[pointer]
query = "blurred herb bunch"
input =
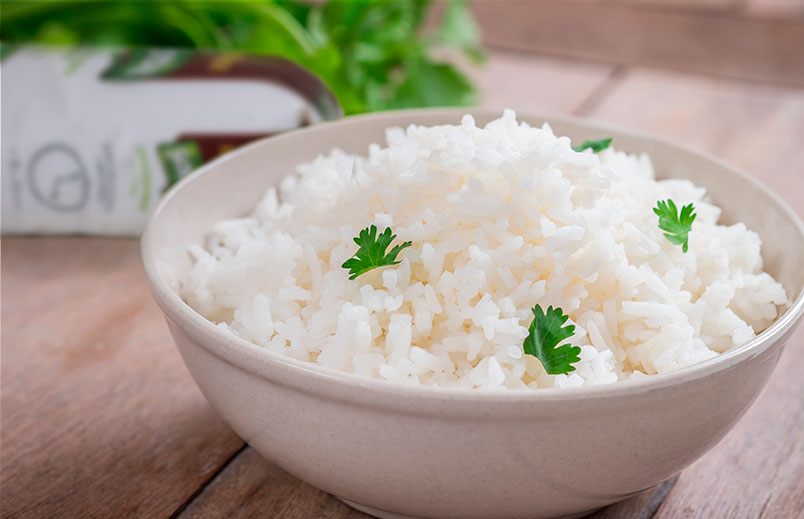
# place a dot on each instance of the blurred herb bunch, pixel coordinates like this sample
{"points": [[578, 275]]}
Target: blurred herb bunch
{"points": [[372, 53]]}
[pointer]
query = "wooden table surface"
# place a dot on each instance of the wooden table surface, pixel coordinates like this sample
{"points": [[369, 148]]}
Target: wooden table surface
{"points": [[100, 418]]}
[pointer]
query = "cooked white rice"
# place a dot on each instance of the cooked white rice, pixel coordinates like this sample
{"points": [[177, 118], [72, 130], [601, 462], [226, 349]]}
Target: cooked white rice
{"points": [[501, 218]]}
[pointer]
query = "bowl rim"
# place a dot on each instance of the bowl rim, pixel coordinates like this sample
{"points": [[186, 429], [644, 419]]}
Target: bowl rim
{"points": [[334, 384]]}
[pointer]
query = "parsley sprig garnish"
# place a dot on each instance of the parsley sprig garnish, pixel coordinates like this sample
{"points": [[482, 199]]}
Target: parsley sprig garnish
{"points": [[546, 332], [595, 146], [371, 252], [676, 226]]}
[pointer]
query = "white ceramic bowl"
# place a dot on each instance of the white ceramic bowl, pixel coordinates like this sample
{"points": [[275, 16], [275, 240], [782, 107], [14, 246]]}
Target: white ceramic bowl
{"points": [[397, 451]]}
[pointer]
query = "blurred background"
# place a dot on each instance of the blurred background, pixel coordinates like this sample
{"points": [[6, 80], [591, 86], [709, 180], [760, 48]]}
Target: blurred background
{"points": [[105, 105]]}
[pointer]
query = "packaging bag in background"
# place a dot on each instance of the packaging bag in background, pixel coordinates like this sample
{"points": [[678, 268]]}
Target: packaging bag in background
{"points": [[91, 137]]}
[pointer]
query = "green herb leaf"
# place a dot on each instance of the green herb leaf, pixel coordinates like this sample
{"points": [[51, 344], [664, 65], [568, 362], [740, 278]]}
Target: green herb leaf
{"points": [[676, 226], [371, 252], [430, 84], [373, 54], [595, 146], [460, 30], [546, 332]]}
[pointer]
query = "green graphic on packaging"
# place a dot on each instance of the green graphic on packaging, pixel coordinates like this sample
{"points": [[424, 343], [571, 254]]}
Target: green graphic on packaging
{"points": [[145, 182], [6, 49], [75, 57], [178, 159], [146, 63]]}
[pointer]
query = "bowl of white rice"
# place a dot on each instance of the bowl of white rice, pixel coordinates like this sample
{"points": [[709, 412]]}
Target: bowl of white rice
{"points": [[434, 313]]}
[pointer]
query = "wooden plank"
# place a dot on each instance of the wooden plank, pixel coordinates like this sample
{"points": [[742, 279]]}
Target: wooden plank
{"points": [[537, 83], [709, 6], [253, 487], [758, 128], [99, 416], [758, 470], [738, 8], [731, 46], [774, 8]]}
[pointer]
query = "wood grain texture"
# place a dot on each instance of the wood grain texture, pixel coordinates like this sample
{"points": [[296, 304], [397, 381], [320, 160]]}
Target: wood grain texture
{"points": [[537, 84], [744, 47], [774, 8], [253, 487], [99, 416], [708, 6], [736, 8]]}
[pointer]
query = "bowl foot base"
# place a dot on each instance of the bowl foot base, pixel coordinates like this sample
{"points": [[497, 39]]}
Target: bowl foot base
{"points": [[374, 512], [384, 514]]}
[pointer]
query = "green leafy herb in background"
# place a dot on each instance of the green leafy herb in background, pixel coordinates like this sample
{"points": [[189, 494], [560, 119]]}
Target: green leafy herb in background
{"points": [[595, 146], [371, 253], [676, 226], [546, 332], [372, 53]]}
